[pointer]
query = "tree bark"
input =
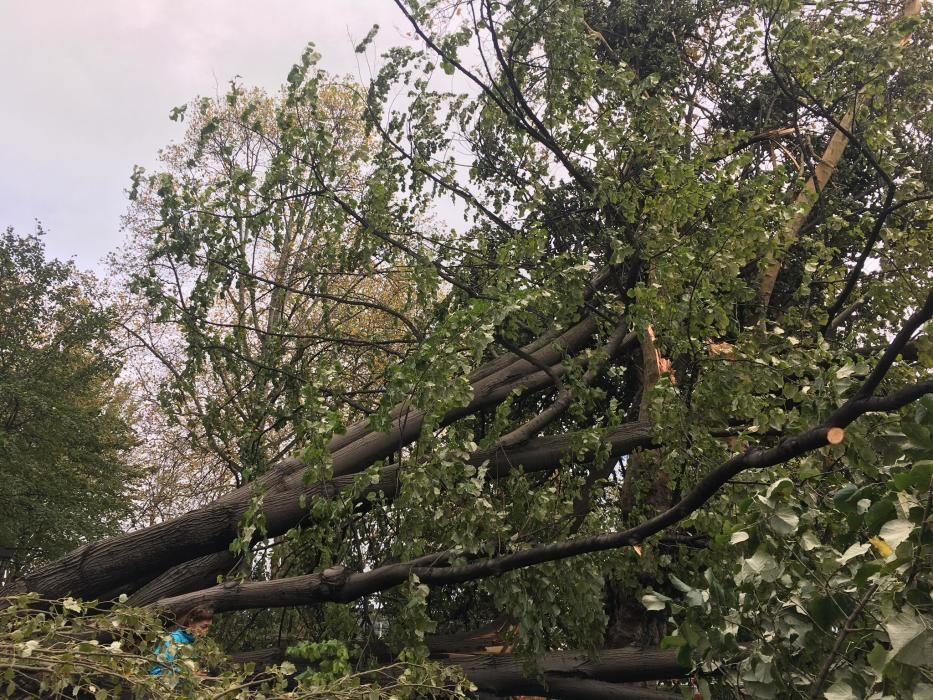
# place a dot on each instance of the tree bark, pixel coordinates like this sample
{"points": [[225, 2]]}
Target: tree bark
{"points": [[101, 566], [563, 688], [540, 454], [566, 674], [190, 576], [624, 665], [805, 201], [813, 188]]}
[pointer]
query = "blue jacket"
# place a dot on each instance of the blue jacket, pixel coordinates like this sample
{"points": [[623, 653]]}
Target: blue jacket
{"points": [[165, 652]]}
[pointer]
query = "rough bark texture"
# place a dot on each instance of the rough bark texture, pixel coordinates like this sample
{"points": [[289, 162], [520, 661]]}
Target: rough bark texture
{"points": [[626, 665], [101, 566], [566, 674], [190, 576], [565, 688]]}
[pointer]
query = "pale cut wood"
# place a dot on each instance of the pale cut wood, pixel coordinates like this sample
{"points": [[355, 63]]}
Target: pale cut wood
{"points": [[823, 171]]}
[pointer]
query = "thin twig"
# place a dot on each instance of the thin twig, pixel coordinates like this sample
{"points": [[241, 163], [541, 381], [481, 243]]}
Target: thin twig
{"points": [[840, 639]]}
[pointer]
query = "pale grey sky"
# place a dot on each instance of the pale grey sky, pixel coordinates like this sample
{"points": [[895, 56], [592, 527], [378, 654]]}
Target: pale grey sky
{"points": [[86, 87]]}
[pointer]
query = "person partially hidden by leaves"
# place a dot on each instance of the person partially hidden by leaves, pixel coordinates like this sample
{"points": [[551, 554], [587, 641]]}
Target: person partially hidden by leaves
{"points": [[192, 625]]}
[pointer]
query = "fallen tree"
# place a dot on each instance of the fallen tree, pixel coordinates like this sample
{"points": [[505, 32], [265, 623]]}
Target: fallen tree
{"points": [[340, 585], [569, 674], [628, 400], [96, 568]]}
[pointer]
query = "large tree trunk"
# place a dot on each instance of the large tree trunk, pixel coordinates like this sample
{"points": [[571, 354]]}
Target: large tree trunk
{"points": [[96, 568], [189, 576], [565, 674], [562, 688], [625, 665], [540, 454]]}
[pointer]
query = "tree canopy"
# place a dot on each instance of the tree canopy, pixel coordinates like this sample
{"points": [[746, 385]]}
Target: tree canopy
{"points": [[64, 435], [589, 331]]}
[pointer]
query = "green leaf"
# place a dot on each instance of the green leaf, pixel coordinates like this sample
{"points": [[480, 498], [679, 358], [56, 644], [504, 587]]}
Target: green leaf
{"points": [[762, 564], [896, 531], [918, 476], [879, 513], [809, 541], [840, 690], [367, 40], [177, 114], [843, 496], [680, 585], [918, 435], [910, 639], [855, 550], [877, 658], [655, 601], [673, 642], [784, 521], [781, 487], [845, 371]]}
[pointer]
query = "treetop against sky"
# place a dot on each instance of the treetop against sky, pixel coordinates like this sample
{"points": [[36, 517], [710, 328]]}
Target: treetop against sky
{"points": [[88, 88], [666, 387]]}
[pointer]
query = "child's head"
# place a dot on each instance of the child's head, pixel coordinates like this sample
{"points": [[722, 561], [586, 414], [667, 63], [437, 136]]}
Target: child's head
{"points": [[197, 621]]}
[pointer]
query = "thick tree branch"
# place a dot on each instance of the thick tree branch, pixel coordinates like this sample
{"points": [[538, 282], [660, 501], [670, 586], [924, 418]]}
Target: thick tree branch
{"points": [[100, 566], [564, 674], [350, 586], [189, 576]]}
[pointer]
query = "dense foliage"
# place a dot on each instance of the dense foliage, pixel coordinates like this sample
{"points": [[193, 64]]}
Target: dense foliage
{"points": [[600, 322], [75, 649], [63, 421]]}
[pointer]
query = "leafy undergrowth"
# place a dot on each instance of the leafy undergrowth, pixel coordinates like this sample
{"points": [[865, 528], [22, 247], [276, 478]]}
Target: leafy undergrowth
{"points": [[69, 648]]}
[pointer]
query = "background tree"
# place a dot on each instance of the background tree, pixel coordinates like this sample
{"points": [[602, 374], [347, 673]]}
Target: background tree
{"points": [[255, 287], [275, 326], [63, 417], [665, 384]]}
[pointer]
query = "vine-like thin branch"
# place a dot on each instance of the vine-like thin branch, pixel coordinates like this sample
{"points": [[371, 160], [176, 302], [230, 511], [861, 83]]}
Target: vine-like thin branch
{"points": [[840, 639]]}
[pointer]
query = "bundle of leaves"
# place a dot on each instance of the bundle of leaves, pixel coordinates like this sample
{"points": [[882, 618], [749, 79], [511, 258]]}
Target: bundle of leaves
{"points": [[823, 581], [70, 648]]}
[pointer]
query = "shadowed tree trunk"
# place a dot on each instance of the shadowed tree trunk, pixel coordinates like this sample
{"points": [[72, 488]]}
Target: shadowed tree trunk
{"points": [[635, 196], [565, 674], [101, 566]]}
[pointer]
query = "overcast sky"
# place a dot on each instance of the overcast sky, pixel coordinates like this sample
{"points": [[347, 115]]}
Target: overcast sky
{"points": [[87, 86]]}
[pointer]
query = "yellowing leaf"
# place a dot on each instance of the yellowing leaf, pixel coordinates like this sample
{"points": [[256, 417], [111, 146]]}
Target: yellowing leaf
{"points": [[884, 549]]}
